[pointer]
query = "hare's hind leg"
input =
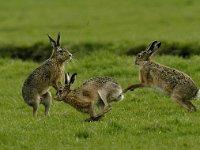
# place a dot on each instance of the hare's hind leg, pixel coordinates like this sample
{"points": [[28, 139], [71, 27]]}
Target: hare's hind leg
{"points": [[93, 116], [105, 98], [34, 103], [100, 108], [35, 107], [46, 101], [191, 106], [133, 87], [186, 104], [91, 113]]}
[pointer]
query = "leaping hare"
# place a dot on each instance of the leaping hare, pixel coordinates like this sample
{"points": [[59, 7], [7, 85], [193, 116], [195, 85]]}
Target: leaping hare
{"points": [[35, 88], [171, 81], [98, 91]]}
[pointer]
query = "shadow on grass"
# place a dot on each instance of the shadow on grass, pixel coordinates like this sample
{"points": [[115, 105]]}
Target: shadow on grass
{"points": [[40, 51], [182, 50]]}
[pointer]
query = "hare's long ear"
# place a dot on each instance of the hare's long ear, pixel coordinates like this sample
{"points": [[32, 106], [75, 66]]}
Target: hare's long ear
{"points": [[67, 78], [153, 47], [53, 43], [58, 39], [73, 78]]}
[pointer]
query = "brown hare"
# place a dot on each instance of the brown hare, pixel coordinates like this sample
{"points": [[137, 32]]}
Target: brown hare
{"points": [[98, 91], [171, 81], [35, 88]]}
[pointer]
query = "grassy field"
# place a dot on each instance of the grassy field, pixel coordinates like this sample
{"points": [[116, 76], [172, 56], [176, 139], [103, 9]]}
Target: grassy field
{"points": [[145, 119], [25, 22]]}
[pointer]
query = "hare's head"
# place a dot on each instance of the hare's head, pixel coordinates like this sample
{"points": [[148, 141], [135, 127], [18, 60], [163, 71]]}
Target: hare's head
{"points": [[145, 55], [66, 89], [59, 53]]}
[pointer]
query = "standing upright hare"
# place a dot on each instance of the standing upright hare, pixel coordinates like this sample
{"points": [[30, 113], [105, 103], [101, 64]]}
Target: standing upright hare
{"points": [[35, 88], [98, 91], [171, 81]]}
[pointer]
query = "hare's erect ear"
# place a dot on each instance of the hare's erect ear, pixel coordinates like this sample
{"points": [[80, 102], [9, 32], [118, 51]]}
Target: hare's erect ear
{"points": [[58, 39], [73, 78], [67, 78], [158, 44], [153, 47], [53, 43]]}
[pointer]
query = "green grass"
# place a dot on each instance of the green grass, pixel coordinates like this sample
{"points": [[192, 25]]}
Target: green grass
{"points": [[119, 22], [145, 119]]}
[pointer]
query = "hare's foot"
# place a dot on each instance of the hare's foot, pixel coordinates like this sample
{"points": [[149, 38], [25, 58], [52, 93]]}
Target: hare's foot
{"points": [[96, 118], [46, 101], [88, 120], [191, 107], [35, 107], [107, 109], [34, 104], [186, 104]]}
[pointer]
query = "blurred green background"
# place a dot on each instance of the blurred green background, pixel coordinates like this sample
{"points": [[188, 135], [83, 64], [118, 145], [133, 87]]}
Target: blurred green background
{"points": [[26, 22]]}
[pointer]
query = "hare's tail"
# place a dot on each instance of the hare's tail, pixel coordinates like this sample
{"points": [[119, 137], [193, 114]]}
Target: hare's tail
{"points": [[198, 94]]}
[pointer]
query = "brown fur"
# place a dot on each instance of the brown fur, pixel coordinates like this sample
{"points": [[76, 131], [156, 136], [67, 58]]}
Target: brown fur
{"points": [[35, 88], [171, 81], [95, 91]]}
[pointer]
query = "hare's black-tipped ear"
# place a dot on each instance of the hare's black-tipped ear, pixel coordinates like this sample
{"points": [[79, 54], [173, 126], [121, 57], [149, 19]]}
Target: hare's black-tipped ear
{"points": [[58, 39], [53, 43], [153, 47], [158, 44], [73, 78], [67, 78]]}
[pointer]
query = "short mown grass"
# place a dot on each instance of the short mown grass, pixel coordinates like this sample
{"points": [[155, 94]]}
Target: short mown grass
{"points": [[145, 119]]}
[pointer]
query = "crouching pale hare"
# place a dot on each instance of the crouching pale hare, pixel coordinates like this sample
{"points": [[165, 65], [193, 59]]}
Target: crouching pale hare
{"points": [[99, 91]]}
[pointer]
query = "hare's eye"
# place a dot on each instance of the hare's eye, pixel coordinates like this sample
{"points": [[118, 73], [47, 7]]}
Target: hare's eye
{"points": [[60, 91], [139, 56], [60, 51]]}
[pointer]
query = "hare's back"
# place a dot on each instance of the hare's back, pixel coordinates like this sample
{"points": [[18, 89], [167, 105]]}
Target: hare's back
{"points": [[171, 76], [170, 80], [99, 82]]}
